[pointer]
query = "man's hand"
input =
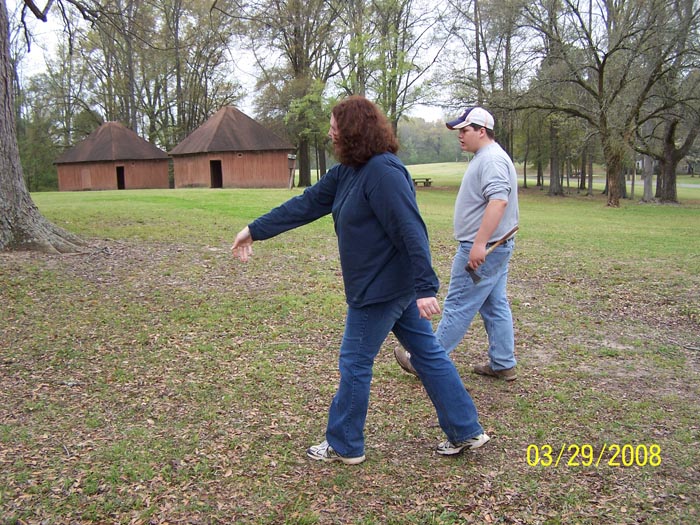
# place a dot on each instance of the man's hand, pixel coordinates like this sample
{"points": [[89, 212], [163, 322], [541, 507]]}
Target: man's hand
{"points": [[492, 217], [428, 306], [477, 255], [243, 245]]}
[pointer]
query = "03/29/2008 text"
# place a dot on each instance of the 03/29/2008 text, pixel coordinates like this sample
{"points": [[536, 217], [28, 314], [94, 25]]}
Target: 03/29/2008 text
{"points": [[587, 455]]}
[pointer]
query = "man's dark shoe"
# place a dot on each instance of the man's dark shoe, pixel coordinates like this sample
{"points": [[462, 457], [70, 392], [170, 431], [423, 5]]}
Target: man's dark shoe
{"points": [[509, 374], [403, 358]]}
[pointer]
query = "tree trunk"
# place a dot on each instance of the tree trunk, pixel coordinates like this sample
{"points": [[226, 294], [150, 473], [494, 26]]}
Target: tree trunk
{"points": [[303, 163], [672, 155], [555, 187], [613, 163], [322, 157], [666, 188], [477, 54], [648, 177], [527, 151], [22, 227], [634, 178], [130, 72]]}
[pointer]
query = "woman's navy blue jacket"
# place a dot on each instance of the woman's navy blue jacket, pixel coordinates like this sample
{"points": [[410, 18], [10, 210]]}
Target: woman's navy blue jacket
{"points": [[383, 241]]}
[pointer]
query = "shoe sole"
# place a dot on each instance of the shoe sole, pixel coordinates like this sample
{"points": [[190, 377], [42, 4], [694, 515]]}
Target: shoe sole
{"points": [[495, 376]]}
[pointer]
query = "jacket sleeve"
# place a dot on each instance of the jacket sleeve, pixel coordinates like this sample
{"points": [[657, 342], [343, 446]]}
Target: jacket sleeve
{"points": [[315, 202]]}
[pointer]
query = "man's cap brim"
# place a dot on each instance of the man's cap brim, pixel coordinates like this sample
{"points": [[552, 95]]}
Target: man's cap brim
{"points": [[456, 124]]}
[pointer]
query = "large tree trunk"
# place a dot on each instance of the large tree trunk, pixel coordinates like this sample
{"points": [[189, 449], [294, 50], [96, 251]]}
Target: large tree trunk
{"points": [[22, 227], [666, 184], [647, 177], [613, 168], [672, 155]]}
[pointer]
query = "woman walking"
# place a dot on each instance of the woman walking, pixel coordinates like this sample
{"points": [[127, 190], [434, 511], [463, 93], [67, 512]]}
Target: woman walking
{"points": [[390, 285]]}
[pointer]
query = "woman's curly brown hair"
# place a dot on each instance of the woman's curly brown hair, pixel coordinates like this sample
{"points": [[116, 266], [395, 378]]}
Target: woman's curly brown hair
{"points": [[363, 131]]}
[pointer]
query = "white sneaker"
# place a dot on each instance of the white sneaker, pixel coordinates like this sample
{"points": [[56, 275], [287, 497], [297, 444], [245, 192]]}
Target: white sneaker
{"points": [[448, 448], [324, 452]]}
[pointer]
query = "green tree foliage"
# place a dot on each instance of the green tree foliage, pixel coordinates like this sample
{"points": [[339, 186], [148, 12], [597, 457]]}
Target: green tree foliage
{"points": [[488, 61], [161, 68], [406, 46], [295, 44], [393, 46], [38, 150], [426, 142]]}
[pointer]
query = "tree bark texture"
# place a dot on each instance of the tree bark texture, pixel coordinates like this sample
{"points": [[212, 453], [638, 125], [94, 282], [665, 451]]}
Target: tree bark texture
{"points": [[666, 190], [647, 177], [666, 183], [614, 164]]}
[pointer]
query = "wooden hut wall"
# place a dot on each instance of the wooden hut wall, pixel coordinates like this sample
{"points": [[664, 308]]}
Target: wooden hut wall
{"points": [[192, 171], [145, 174], [140, 174], [264, 169]]}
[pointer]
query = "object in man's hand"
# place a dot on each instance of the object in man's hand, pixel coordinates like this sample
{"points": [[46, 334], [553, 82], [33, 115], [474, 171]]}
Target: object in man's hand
{"points": [[472, 273]]}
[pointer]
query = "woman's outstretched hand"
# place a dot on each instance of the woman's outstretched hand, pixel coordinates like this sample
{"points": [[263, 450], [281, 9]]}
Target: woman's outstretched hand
{"points": [[243, 245]]}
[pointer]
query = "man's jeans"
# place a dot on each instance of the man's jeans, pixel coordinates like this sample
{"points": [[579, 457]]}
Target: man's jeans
{"points": [[488, 297], [365, 331]]}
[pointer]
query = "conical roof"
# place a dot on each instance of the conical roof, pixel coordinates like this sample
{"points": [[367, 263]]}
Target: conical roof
{"points": [[111, 141], [229, 129]]}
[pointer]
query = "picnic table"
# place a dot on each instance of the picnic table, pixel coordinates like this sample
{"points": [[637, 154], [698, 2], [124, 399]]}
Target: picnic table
{"points": [[425, 181]]}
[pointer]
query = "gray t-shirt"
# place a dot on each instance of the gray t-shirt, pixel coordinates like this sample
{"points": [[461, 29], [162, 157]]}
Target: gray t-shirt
{"points": [[490, 175]]}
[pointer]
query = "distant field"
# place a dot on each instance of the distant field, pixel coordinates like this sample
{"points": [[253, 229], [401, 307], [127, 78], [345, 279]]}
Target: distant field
{"points": [[450, 174]]}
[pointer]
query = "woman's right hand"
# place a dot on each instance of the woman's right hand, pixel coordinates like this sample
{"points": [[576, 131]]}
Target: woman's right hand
{"points": [[243, 245]]}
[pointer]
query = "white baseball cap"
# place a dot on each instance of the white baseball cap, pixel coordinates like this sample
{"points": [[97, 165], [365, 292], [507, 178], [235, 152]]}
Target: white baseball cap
{"points": [[476, 115]]}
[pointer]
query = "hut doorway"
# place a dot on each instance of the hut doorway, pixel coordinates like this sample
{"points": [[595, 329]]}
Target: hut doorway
{"points": [[217, 176], [120, 178]]}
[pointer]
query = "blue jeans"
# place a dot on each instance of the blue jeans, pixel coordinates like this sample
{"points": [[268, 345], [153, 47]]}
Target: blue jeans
{"points": [[365, 331], [488, 297]]}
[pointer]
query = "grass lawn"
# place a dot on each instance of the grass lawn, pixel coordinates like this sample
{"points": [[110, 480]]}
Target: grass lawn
{"points": [[154, 380]]}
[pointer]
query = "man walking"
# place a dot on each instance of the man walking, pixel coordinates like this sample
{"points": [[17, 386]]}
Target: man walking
{"points": [[486, 209]]}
